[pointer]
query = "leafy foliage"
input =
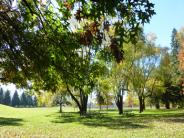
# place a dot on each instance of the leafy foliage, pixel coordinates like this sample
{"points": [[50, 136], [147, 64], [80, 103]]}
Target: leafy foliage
{"points": [[54, 43]]}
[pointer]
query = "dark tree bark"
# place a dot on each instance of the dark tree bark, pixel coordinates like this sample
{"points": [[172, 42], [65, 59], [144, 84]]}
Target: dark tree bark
{"points": [[119, 102], [60, 108], [157, 105], [141, 104], [82, 103], [167, 105], [61, 104]]}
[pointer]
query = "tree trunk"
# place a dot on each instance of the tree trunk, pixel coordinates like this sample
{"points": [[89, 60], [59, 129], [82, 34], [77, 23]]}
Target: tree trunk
{"points": [[100, 107], [84, 101], [82, 104], [167, 105], [119, 103], [60, 108], [122, 101], [119, 100], [157, 105], [141, 105]]}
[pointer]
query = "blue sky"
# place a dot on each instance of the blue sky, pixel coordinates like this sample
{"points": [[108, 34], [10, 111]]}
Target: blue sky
{"points": [[169, 15]]}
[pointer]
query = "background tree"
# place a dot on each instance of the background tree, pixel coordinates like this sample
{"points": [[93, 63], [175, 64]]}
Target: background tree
{"points": [[29, 100], [1, 96], [15, 99], [131, 100], [61, 98], [119, 83], [100, 100], [175, 47], [104, 92], [44, 98], [7, 98], [166, 77], [23, 100], [180, 38], [147, 55], [156, 89], [35, 101]]}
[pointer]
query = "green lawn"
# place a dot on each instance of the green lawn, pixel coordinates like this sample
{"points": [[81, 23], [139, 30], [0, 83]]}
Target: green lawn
{"points": [[48, 123]]}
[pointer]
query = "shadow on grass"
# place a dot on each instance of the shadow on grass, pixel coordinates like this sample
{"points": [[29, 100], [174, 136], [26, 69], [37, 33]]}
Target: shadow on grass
{"points": [[100, 120], [176, 120], [10, 121], [130, 120]]}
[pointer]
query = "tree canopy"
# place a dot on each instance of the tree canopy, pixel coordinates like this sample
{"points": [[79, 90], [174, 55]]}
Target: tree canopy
{"points": [[56, 42]]}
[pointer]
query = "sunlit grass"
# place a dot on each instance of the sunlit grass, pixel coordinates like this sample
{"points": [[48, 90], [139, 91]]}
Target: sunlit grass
{"points": [[47, 122]]}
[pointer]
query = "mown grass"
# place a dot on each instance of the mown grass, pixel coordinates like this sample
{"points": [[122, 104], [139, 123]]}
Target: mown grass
{"points": [[48, 123]]}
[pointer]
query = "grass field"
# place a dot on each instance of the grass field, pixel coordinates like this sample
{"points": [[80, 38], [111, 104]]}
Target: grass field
{"points": [[48, 123]]}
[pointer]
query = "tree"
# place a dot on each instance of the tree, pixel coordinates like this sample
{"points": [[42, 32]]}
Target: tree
{"points": [[156, 89], [130, 100], [35, 101], [104, 93], [1, 96], [147, 55], [173, 89], [180, 38], [100, 100], [15, 99], [120, 76], [29, 100], [23, 100], [175, 46], [122, 73], [48, 51], [7, 98], [61, 98]]}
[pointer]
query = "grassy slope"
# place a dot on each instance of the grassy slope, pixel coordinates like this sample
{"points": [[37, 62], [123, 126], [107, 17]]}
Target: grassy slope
{"points": [[47, 122]]}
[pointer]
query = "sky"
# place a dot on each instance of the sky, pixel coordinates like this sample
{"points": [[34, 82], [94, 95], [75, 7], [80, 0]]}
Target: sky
{"points": [[169, 15]]}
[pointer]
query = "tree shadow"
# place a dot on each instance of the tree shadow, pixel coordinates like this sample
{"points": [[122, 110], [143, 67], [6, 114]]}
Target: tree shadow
{"points": [[129, 120], [10, 121], [176, 120], [101, 120]]}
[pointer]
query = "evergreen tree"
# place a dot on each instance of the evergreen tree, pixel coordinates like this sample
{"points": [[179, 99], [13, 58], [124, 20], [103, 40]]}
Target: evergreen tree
{"points": [[1, 96], [174, 44], [35, 102], [174, 57], [15, 99], [7, 98], [23, 99], [29, 100]]}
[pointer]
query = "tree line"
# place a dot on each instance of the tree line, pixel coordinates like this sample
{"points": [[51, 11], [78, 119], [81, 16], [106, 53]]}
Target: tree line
{"points": [[24, 100]]}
